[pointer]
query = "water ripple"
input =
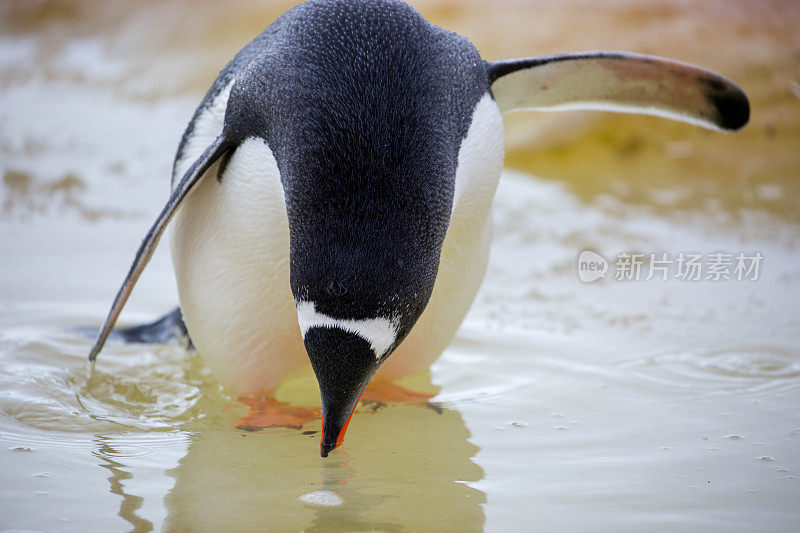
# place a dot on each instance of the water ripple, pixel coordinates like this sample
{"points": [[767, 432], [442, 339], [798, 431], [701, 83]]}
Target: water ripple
{"points": [[47, 384], [752, 368]]}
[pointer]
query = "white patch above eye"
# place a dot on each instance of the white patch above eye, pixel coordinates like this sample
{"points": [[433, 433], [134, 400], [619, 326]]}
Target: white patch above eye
{"points": [[380, 332]]}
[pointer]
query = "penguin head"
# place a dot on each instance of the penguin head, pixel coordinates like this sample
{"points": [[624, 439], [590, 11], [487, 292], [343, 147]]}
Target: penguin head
{"points": [[359, 291]]}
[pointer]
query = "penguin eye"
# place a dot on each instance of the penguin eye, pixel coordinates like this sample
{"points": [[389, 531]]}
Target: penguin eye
{"points": [[335, 288]]}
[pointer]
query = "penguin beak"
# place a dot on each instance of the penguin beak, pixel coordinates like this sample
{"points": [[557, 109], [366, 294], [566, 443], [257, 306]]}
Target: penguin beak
{"points": [[343, 363], [334, 424]]}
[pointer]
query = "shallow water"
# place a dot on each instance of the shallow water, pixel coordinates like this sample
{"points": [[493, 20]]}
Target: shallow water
{"points": [[613, 405]]}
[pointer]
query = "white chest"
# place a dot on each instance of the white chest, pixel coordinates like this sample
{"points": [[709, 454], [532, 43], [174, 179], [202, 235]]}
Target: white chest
{"points": [[230, 250]]}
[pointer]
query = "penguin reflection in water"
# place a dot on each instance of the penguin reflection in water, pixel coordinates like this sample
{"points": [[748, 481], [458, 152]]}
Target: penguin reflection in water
{"points": [[331, 194]]}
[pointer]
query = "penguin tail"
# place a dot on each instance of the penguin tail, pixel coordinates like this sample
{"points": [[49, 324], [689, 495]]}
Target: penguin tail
{"points": [[167, 328]]}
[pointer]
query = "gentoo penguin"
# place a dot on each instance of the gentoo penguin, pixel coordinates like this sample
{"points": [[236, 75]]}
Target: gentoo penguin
{"points": [[331, 195]]}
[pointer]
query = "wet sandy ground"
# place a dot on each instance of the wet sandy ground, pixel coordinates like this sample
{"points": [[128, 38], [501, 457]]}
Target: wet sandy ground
{"points": [[616, 405]]}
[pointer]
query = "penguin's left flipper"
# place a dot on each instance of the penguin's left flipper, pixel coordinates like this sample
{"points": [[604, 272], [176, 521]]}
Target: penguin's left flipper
{"points": [[619, 81], [216, 150]]}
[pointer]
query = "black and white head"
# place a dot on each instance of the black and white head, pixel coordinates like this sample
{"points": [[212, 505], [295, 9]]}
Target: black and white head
{"points": [[365, 106]]}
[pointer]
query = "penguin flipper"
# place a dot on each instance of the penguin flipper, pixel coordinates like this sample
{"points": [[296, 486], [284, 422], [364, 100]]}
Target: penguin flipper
{"points": [[619, 81], [219, 147]]}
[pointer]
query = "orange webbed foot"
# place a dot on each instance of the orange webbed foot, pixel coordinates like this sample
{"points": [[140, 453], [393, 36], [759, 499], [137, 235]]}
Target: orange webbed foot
{"points": [[268, 412], [383, 392]]}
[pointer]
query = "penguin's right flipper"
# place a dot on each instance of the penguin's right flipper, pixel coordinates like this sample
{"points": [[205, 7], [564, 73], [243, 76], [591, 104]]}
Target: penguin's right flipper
{"points": [[619, 81], [217, 149]]}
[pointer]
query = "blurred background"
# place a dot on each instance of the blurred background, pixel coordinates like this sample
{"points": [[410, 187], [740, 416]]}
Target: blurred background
{"points": [[614, 405]]}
